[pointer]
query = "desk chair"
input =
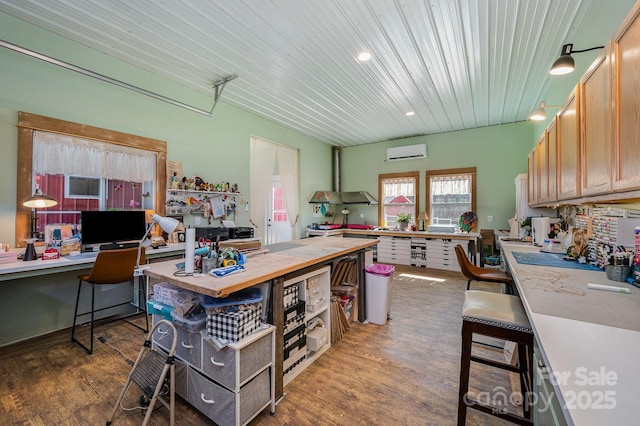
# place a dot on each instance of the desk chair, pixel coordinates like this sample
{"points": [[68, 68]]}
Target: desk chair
{"points": [[111, 267], [475, 273]]}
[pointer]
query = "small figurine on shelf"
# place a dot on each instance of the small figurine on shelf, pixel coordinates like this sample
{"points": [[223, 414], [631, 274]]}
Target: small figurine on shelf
{"points": [[234, 188], [174, 181]]}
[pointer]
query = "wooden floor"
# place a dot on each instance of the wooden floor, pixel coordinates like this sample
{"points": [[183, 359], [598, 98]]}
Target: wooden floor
{"points": [[402, 373]]}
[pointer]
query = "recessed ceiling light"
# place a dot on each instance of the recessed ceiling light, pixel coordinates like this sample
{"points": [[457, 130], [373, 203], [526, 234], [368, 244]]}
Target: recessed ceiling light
{"points": [[410, 113], [364, 56]]}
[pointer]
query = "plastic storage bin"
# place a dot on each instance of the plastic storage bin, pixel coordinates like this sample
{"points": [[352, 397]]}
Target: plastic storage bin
{"points": [[378, 278]]}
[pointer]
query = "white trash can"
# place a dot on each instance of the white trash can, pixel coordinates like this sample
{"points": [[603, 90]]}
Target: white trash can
{"points": [[378, 278]]}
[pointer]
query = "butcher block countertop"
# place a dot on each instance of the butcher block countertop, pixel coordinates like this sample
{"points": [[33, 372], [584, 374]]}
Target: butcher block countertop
{"points": [[279, 260]]}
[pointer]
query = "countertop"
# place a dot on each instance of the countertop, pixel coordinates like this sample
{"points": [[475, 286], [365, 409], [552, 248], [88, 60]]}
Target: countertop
{"points": [[280, 259], [21, 268], [394, 233], [589, 339]]}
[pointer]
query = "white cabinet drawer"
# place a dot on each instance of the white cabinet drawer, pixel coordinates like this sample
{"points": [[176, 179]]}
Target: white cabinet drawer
{"points": [[222, 365], [163, 335], [189, 347], [221, 405]]}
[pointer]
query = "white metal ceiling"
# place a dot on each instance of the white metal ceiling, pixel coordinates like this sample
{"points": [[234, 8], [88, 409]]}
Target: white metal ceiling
{"points": [[458, 64]]}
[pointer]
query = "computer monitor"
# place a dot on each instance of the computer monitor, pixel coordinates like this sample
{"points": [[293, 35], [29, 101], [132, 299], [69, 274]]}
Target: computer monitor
{"points": [[113, 226]]}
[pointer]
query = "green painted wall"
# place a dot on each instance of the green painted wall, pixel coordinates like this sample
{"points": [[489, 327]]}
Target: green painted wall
{"points": [[499, 154], [215, 148]]}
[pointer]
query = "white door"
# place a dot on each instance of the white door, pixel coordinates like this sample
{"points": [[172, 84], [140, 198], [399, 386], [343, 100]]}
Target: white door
{"points": [[278, 227]]}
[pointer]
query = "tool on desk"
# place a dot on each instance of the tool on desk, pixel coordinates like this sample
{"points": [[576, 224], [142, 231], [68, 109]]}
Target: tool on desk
{"points": [[608, 288]]}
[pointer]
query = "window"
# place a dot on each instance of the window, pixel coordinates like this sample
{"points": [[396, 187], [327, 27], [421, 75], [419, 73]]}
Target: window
{"points": [[75, 194], [82, 187], [398, 193], [117, 191], [450, 193]]}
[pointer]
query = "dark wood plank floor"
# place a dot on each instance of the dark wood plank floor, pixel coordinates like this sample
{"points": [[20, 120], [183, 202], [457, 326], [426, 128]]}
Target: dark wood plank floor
{"points": [[402, 373]]}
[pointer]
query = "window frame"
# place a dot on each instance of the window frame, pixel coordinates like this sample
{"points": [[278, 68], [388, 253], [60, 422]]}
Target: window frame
{"points": [[28, 123], [402, 175], [449, 172]]}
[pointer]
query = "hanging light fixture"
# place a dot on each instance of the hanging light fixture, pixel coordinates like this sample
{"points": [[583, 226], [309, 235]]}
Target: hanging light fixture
{"points": [[539, 113], [565, 63], [38, 200]]}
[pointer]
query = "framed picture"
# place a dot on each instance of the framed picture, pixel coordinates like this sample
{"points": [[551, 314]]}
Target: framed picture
{"points": [[173, 167]]}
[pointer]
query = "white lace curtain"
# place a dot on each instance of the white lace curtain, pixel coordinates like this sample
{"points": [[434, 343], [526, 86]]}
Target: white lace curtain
{"points": [[263, 157], [61, 154]]}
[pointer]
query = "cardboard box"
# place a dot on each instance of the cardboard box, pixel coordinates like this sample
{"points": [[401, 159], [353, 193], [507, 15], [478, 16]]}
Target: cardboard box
{"points": [[488, 241], [8, 257]]}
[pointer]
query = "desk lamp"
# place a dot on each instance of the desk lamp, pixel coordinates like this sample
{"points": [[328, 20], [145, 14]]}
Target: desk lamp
{"points": [[168, 225], [38, 200], [422, 218], [346, 212]]}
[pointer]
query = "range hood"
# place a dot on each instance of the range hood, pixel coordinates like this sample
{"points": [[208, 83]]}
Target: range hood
{"points": [[336, 196], [333, 197], [326, 197], [357, 197]]}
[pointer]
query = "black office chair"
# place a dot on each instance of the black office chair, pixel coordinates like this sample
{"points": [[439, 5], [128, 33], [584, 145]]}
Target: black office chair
{"points": [[111, 267]]}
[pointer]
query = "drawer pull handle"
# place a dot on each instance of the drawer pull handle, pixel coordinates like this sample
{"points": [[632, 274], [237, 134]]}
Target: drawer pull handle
{"points": [[186, 346], [164, 333], [205, 400], [217, 364]]}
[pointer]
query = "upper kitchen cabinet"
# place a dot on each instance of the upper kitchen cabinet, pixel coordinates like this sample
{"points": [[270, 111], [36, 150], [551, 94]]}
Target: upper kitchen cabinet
{"points": [[533, 176], [596, 116], [626, 75], [549, 164], [568, 122], [543, 168]]}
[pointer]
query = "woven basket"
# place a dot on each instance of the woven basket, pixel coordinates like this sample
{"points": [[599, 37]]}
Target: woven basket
{"points": [[617, 272]]}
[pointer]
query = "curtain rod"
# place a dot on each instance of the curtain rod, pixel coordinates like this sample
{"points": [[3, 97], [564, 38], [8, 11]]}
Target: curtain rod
{"points": [[217, 86]]}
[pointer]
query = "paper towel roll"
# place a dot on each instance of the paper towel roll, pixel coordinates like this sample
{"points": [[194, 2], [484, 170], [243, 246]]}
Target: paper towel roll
{"points": [[541, 229], [190, 250]]}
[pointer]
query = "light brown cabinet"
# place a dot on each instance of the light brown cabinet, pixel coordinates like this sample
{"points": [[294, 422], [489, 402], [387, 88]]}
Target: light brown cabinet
{"points": [[568, 122], [626, 42], [533, 177], [547, 157], [597, 132]]}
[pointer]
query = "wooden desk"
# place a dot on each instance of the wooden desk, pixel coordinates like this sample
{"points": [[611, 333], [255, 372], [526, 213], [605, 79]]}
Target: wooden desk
{"points": [[282, 260], [589, 339]]}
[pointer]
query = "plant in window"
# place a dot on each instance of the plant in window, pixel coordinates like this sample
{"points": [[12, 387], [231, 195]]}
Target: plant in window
{"points": [[403, 220]]}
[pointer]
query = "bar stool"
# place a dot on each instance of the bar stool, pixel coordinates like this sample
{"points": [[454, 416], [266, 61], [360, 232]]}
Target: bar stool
{"points": [[501, 316], [111, 267]]}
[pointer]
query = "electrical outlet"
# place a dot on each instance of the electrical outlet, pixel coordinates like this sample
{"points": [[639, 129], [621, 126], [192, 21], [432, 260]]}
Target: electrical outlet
{"points": [[489, 219], [361, 215]]}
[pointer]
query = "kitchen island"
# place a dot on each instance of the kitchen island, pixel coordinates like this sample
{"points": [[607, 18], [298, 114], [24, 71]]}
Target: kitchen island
{"points": [[281, 262], [588, 340]]}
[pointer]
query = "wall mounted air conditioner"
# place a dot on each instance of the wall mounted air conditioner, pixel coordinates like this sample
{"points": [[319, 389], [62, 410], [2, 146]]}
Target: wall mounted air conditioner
{"points": [[409, 152]]}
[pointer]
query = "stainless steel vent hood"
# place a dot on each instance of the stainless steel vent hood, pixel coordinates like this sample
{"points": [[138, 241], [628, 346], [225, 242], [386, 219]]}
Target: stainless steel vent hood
{"points": [[338, 197], [326, 197], [357, 197], [333, 197]]}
